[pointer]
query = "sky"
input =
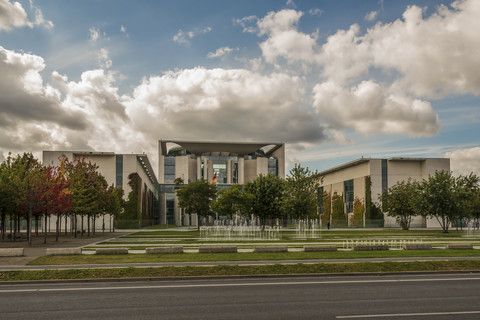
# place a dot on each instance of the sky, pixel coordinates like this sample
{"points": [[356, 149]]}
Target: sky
{"points": [[334, 80]]}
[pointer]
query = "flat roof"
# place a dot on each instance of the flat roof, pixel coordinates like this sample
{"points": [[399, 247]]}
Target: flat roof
{"points": [[225, 148], [363, 160]]}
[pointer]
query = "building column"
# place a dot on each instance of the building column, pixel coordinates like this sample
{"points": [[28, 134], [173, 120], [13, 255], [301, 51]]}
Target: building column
{"points": [[241, 170], [210, 170], [229, 171], [205, 169], [199, 168]]}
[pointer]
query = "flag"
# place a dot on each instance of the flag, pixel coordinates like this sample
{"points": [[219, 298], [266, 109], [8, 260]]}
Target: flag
{"points": [[214, 179]]}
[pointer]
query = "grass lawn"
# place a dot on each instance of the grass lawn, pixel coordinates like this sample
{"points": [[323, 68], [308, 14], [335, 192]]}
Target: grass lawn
{"points": [[245, 256], [320, 268]]}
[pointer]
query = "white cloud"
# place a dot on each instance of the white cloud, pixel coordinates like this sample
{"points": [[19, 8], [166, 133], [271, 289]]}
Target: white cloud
{"points": [[369, 108], [249, 24], [94, 34], [239, 104], [184, 37], [103, 59], [12, 15], [372, 15], [39, 19], [465, 161], [123, 29], [284, 40], [315, 12], [220, 52]]}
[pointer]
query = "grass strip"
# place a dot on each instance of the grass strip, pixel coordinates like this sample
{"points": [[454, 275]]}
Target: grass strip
{"points": [[276, 269], [246, 256]]}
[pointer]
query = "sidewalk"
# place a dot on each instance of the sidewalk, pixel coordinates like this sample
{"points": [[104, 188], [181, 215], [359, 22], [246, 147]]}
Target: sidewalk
{"points": [[39, 248]]}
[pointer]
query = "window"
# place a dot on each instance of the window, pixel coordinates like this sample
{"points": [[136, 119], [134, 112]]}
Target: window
{"points": [[348, 192], [119, 170], [273, 166], [169, 169]]}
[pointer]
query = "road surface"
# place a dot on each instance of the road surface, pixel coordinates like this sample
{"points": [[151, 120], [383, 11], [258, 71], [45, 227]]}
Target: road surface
{"points": [[412, 297]]}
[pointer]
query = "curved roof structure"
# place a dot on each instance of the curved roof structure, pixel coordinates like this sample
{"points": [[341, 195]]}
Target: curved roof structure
{"points": [[220, 147]]}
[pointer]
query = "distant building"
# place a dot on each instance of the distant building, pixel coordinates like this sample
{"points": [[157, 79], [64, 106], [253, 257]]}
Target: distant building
{"points": [[350, 180], [230, 162], [116, 168]]}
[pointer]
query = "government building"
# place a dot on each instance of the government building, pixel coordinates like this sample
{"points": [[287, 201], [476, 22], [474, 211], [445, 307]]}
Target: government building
{"points": [[357, 178], [229, 162]]}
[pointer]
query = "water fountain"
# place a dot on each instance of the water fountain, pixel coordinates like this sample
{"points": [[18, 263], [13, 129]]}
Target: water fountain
{"points": [[308, 229], [239, 229]]}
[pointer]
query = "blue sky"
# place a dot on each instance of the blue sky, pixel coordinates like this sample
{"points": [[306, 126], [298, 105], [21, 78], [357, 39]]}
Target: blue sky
{"points": [[335, 80]]}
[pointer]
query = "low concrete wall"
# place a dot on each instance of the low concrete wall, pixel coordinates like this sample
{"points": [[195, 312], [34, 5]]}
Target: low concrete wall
{"points": [[319, 248], [11, 252], [217, 249], [263, 249], [417, 246], [377, 247], [60, 251], [460, 246], [164, 250], [111, 251]]}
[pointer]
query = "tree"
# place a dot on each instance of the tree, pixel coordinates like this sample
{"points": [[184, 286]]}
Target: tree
{"points": [[27, 177], [265, 194], [114, 203], [438, 198], [229, 201], [130, 218], [327, 208], [8, 195], [338, 211], [196, 197], [88, 189], [300, 199], [373, 213], [399, 201], [358, 216]]}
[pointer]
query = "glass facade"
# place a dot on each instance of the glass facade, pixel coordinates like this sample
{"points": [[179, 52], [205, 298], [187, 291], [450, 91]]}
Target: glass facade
{"points": [[119, 170], [349, 195], [169, 169], [273, 166], [384, 174]]}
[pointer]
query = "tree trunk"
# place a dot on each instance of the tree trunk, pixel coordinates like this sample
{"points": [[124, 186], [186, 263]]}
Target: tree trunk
{"points": [[58, 224], [82, 225], [66, 223], [29, 225], [88, 225], [45, 235]]}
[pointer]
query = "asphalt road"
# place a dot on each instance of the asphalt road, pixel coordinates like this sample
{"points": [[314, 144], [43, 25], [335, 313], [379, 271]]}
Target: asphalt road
{"points": [[360, 297]]}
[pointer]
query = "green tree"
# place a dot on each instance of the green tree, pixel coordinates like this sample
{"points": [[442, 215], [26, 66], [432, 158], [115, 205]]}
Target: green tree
{"points": [[373, 213], [8, 193], [358, 216], [229, 201], [438, 198], [196, 197], [400, 201], [327, 208], [130, 218], [338, 211], [27, 176], [265, 194], [114, 204], [88, 189], [468, 188], [300, 199]]}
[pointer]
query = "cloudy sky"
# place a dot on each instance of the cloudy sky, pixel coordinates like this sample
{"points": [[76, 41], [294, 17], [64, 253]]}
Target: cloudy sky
{"points": [[335, 80]]}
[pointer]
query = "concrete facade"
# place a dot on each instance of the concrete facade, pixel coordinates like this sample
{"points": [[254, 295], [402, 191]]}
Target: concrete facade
{"points": [[115, 168], [230, 162], [383, 173]]}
